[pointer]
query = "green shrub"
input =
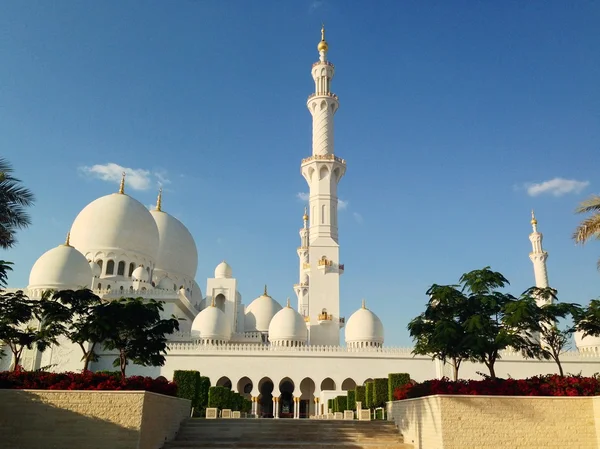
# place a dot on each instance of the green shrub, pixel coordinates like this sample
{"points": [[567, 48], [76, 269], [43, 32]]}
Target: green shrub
{"points": [[360, 395], [219, 397], [110, 373], [368, 395], [329, 405], [396, 380], [188, 385], [378, 414], [247, 405], [340, 403], [380, 392], [202, 400], [351, 400]]}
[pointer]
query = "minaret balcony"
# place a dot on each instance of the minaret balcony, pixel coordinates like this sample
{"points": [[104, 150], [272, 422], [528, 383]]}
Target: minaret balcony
{"points": [[324, 157], [324, 94], [325, 318], [323, 62], [328, 266]]}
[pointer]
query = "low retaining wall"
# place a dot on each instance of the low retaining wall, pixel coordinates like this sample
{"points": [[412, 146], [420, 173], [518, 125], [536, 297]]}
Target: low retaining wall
{"points": [[43, 419], [459, 422]]}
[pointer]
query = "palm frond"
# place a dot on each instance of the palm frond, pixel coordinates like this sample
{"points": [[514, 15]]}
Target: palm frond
{"points": [[592, 204], [587, 229]]}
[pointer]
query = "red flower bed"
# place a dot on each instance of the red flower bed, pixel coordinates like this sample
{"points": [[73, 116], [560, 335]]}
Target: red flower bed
{"points": [[41, 380], [551, 385]]}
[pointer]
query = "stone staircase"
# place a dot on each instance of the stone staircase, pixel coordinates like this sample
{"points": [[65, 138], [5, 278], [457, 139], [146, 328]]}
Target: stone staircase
{"points": [[287, 434]]}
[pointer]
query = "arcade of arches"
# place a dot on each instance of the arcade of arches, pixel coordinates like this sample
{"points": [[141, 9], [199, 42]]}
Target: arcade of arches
{"points": [[285, 398]]}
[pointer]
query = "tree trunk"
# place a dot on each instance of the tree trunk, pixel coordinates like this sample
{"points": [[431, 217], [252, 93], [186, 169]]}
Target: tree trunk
{"points": [[87, 356], [17, 356], [560, 368], [123, 363], [456, 366], [490, 366]]}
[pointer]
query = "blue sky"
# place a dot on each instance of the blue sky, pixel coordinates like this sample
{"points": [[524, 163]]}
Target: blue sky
{"points": [[456, 119]]}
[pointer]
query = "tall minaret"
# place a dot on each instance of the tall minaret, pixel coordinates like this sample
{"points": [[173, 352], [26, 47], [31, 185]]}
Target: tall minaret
{"points": [[538, 257], [322, 171], [301, 288]]}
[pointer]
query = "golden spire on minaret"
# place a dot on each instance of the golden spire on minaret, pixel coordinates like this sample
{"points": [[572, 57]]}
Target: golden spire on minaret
{"points": [[533, 221], [323, 44], [305, 216], [122, 185], [159, 200]]}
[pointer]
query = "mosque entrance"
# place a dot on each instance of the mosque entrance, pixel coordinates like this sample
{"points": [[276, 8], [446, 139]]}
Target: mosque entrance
{"points": [[286, 399], [266, 398]]}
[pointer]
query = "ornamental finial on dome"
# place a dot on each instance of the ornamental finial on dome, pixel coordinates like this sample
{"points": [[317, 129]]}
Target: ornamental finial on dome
{"points": [[265, 292], [159, 200], [364, 304], [122, 185], [212, 302], [68, 240], [288, 303], [323, 44]]}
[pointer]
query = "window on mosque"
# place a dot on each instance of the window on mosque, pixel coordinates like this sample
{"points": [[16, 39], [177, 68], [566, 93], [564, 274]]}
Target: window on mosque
{"points": [[131, 268], [110, 267], [121, 269]]}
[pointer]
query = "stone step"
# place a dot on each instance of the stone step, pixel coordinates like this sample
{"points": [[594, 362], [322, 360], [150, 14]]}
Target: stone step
{"points": [[284, 445]]}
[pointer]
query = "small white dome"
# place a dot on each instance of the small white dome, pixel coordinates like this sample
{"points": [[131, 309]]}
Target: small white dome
{"points": [[588, 343], [211, 324], [166, 284], [115, 221], [96, 270], [223, 270], [177, 252], [260, 312], [288, 326], [140, 274], [62, 267], [364, 327]]}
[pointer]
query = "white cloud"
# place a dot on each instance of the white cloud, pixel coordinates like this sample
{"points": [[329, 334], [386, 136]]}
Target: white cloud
{"points": [[556, 187], [358, 217], [304, 197], [136, 178]]}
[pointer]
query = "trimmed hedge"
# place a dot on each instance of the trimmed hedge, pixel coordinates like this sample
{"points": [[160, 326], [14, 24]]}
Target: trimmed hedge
{"points": [[202, 399], [360, 395], [369, 395], [380, 392], [188, 385], [218, 397], [351, 400], [340, 403], [396, 380], [329, 405]]}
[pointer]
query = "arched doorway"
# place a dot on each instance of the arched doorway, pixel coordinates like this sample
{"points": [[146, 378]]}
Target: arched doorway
{"points": [[348, 384], [220, 302], [286, 398], [265, 400], [307, 399], [224, 382], [244, 387]]}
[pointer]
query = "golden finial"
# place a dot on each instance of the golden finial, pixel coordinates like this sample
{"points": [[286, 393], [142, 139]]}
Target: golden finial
{"points": [[122, 185], [305, 216], [288, 303], [265, 292], [159, 200], [68, 240], [212, 302], [533, 219], [364, 304], [323, 44]]}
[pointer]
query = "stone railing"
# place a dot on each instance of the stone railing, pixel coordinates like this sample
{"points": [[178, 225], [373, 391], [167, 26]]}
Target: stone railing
{"points": [[324, 157], [324, 94], [243, 347], [324, 63]]}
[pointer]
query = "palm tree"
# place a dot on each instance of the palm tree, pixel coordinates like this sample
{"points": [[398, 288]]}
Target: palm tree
{"points": [[590, 227], [14, 198]]}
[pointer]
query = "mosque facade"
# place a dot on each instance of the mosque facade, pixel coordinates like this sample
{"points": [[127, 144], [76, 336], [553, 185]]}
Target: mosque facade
{"points": [[288, 360]]}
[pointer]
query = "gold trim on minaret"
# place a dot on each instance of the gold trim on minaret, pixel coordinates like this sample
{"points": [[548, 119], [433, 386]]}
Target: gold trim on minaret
{"points": [[305, 216], [122, 185], [533, 219], [159, 200], [323, 46]]}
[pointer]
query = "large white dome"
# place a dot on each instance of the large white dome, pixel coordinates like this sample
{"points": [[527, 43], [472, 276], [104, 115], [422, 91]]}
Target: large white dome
{"points": [[62, 267], [588, 343], [211, 324], [115, 222], [177, 252], [260, 312], [288, 326], [364, 328]]}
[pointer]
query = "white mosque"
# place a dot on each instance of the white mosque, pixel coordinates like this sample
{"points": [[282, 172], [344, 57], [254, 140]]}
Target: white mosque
{"points": [[287, 360]]}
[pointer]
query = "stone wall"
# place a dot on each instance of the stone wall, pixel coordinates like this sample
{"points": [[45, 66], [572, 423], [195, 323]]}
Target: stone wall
{"points": [[453, 422], [43, 419]]}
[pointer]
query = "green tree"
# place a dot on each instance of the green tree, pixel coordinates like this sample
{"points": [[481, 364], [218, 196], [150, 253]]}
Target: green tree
{"points": [[589, 228], [136, 331], [551, 341], [20, 325], [494, 320], [588, 320], [439, 331], [78, 315], [14, 198]]}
